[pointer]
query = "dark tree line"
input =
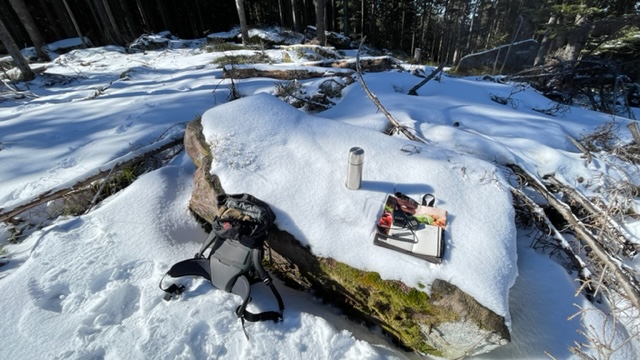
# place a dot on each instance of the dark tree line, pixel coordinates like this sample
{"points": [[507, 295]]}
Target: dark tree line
{"points": [[444, 30]]}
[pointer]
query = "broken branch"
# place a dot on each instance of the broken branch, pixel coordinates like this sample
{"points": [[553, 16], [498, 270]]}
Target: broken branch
{"points": [[414, 90], [374, 99], [624, 278]]}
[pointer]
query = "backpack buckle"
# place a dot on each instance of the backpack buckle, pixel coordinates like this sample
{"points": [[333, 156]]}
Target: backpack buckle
{"points": [[173, 290]]}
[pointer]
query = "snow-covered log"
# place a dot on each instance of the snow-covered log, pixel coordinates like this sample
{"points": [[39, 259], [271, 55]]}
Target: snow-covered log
{"points": [[81, 181]]}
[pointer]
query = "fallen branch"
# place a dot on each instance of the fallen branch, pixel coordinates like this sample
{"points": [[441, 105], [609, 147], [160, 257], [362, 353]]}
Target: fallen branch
{"points": [[633, 129], [611, 230], [576, 260], [625, 279], [394, 122], [86, 179], [414, 89], [580, 147]]}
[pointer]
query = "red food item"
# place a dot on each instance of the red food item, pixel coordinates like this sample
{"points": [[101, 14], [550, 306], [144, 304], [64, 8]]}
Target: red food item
{"points": [[386, 220]]}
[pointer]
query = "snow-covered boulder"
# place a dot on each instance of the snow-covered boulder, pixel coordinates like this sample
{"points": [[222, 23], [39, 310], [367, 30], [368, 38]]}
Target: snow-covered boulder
{"points": [[270, 36], [454, 309]]}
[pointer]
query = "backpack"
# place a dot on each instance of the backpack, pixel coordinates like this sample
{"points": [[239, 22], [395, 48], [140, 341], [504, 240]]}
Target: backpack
{"points": [[236, 244]]}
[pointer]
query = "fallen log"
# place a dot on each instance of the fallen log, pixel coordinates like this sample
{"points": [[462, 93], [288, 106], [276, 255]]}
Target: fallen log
{"points": [[70, 186], [624, 278], [370, 64], [280, 73]]}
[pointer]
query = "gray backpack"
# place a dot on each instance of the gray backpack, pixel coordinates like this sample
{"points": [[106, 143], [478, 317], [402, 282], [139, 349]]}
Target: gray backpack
{"points": [[234, 262]]}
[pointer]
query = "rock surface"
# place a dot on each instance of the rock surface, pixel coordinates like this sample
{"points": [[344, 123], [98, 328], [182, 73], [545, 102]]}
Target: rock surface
{"points": [[447, 323]]}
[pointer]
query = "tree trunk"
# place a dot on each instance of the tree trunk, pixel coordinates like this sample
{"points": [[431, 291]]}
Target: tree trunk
{"points": [[99, 24], [577, 38], [320, 14], [281, 13], [34, 33], [243, 22], [62, 14], [163, 16], [473, 16], [75, 23], [131, 25], [362, 7], [146, 24], [345, 11], [296, 16], [53, 24], [544, 44], [114, 25], [14, 51]]}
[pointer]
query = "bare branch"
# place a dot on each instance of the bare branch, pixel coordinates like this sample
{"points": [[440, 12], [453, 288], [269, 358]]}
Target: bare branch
{"points": [[379, 105], [625, 279], [414, 89]]}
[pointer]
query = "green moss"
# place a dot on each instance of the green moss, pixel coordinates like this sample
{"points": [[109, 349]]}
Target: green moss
{"points": [[403, 310], [224, 47], [257, 58]]}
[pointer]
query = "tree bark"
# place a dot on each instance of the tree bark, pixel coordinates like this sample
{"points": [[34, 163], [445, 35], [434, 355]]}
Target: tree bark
{"points": [[163, 16], [296, 16], [243, 22], [51, 19], [99, 18], [14, 51], [577, 38], [75, 24], [146, 24], [63, 18], [29, 24], [131, 25], [545, 43], [114, 25], [281, 13], [345, 19], [320, 28]]}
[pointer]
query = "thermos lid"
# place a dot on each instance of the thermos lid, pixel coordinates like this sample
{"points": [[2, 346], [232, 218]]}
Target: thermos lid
{"points": [[356, 156]]}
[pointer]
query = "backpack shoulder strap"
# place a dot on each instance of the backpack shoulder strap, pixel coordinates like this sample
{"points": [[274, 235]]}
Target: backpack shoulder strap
{"points": [[242, 287], [194, 267], [197, 266]]}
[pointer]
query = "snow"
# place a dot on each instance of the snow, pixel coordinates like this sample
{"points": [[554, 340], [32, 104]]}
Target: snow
{"points": [[86, 286], [264, 142]]}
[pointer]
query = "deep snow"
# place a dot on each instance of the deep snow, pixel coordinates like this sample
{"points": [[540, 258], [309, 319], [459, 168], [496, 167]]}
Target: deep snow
{"points": [[86, 287]]}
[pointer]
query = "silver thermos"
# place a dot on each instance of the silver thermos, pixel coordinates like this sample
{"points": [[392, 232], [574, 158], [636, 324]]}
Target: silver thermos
{"points": [[354, 172]]}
